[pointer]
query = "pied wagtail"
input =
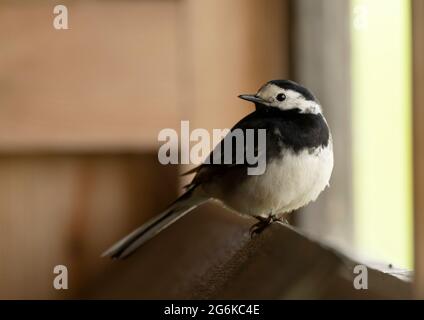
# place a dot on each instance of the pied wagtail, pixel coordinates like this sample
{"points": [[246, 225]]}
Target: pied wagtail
{"points": [[299, 162]]}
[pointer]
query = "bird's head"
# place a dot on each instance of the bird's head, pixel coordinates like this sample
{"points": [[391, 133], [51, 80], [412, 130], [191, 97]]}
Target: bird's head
{"points": [[284, 95]]}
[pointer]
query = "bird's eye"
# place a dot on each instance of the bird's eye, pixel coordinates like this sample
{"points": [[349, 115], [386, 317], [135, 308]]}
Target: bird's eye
{"points": [[281, 97]]}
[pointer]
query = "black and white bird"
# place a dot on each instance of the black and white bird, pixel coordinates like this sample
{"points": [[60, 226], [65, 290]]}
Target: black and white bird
{"points": [[299, 162]]}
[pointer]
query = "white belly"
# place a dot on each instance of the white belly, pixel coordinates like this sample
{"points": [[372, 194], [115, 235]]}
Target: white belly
{"points": [[287, 184]]}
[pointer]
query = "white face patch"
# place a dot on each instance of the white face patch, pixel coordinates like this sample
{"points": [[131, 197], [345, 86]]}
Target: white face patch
{"points": [[293, 99]]}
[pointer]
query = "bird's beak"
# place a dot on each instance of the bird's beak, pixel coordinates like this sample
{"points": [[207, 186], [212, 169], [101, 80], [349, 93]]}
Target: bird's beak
{"points": [[252, 98]]}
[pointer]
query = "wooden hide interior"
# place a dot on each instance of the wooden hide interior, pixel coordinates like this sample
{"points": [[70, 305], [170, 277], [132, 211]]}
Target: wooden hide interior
{"points": [[81, 109]]}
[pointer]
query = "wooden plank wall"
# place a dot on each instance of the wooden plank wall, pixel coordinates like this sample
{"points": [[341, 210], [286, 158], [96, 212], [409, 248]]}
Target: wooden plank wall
{"points": [[66, 209], [80, 111], [92, 86], [418, 121]]}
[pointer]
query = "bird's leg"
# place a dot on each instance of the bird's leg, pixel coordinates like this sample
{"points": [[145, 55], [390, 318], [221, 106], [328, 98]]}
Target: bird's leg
{"points": [[262, 219], [261, 224]]}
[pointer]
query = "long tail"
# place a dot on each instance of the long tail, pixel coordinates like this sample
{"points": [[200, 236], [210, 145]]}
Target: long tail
{"points": [[126, 246]]}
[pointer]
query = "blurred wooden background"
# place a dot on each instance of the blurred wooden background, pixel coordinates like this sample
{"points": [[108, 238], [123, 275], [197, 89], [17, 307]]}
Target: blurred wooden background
{"points": [[80, 110]]}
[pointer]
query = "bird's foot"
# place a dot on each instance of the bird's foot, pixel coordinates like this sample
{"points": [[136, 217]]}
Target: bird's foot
{"points": [[262, 224]]}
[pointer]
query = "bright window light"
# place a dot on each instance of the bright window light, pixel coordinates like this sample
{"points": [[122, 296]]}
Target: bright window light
{"points": [[382, 132]]}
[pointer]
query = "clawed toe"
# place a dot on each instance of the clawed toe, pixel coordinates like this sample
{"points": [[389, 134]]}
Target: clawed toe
{"points": [[256, 229], [261, 225]]}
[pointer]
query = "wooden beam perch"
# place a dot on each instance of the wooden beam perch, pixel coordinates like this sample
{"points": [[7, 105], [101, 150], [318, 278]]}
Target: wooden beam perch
{"points": [[209, 254]]}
